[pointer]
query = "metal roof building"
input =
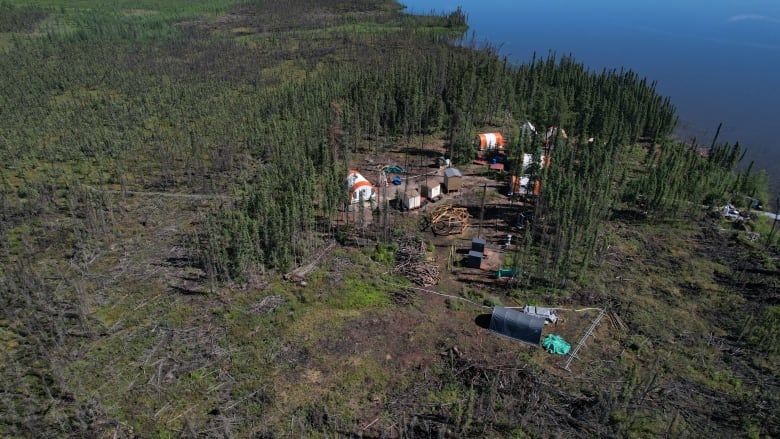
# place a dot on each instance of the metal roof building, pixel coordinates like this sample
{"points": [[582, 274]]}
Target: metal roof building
{"points": [[517, 325], [452, 178]]}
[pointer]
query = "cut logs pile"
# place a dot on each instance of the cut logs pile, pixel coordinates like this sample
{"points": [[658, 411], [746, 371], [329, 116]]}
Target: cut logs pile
{"points": [[411, 261], [449, 220]]}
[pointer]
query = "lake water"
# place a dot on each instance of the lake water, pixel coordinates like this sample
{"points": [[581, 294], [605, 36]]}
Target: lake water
{"points": [[718, 60]]}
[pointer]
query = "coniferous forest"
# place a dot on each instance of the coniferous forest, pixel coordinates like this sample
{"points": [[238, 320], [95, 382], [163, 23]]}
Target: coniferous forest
{"points": [[164, 165]]}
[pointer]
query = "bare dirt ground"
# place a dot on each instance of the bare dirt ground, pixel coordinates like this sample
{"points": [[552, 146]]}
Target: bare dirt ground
{"points": [[483, 193]]}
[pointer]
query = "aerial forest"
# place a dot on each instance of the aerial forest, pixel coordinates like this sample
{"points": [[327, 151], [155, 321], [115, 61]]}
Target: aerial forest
{"points": [[161, 163]]}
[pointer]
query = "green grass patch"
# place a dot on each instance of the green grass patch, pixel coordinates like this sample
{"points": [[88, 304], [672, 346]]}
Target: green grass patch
{"points": [[384, 253], [359, 294]]}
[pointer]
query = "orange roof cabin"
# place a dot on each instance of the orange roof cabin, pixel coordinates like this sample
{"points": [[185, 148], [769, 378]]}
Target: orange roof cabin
{"points": [[360, 189], [489, 141]]}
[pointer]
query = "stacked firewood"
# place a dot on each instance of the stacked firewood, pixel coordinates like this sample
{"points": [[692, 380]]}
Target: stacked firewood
{"points": [[449, 220], [410, 249], [411, 262]]}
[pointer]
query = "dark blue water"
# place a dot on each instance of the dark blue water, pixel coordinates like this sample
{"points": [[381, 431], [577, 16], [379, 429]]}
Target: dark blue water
{"points": [[719, 60]]}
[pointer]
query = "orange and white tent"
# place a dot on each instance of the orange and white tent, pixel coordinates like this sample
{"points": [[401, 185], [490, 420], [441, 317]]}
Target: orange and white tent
{"points": [[490, 141], [360, 188], [528, 159]]}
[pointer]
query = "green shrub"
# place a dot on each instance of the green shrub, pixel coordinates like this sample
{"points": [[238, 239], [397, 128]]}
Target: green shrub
{"points": [[360, 294], [492, 302], [384, 253], [472, 294]]}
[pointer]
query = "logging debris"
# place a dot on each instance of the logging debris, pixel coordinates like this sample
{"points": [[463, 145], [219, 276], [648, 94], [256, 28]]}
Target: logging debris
{"points": [[411, 261]]}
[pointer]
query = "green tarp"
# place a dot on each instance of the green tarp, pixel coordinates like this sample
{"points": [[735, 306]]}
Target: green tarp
{"points": [[394, 169], [506, 272], [556, 345]]}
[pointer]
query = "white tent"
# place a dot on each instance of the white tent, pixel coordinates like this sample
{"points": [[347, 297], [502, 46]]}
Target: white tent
{"points": [[528, 159], [360, 188], [527, 129]]}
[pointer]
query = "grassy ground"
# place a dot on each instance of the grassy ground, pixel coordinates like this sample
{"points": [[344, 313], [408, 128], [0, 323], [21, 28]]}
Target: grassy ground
{"points": [[148, 346]]}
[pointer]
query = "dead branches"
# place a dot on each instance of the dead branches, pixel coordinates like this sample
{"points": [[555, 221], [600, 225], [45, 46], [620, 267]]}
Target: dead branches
{"points": [[267, 305], [411, 262], [449, 220], [410, 249], [421, 273], [402, 297], [300, 273]]}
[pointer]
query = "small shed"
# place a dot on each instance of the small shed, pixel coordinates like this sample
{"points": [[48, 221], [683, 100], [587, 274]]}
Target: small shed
{"points": [[411, 200], [431, 190], [452, 179], [474, 259], [517, 325], [478, 245]]}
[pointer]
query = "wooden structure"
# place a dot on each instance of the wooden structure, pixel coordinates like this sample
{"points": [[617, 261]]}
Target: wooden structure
{"points": [[452, 179], [449, 220], [431, 190]]}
